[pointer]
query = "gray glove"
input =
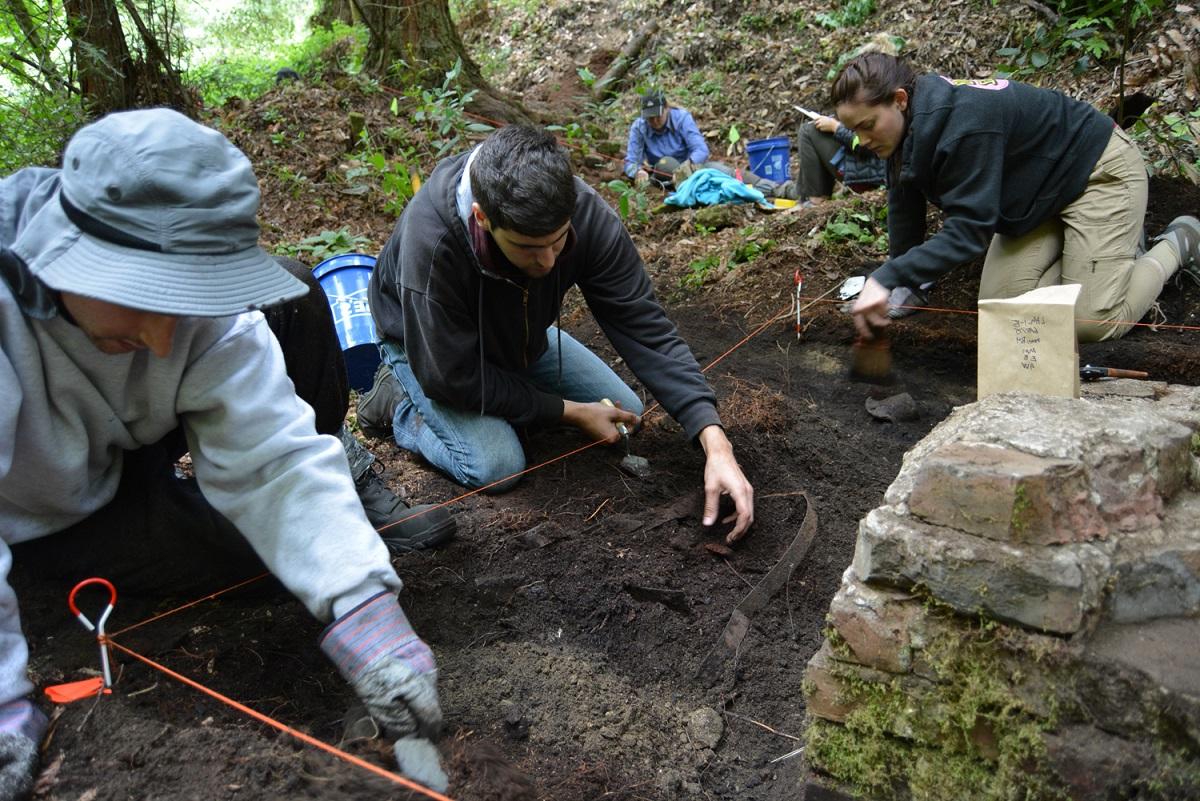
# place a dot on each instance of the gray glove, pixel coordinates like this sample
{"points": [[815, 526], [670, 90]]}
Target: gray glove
{"points": [[393, 672], [401, 700], [18, 765], [21, 728]]}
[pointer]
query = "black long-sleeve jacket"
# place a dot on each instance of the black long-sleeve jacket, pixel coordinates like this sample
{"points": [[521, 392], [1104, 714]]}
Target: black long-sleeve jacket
{"points": [[997, 156], [469, 332]]}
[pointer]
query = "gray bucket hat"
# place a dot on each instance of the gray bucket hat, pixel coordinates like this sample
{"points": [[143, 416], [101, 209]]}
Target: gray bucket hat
{"points": [[158, 213]]}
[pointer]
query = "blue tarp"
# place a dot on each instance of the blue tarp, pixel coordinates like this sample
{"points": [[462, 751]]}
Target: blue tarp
{"points": [[708, 187]]}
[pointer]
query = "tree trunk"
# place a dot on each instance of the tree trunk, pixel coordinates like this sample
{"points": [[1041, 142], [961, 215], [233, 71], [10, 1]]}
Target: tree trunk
{"points": [[607, 85], [110, 78], [416, 40], [101, 55]]}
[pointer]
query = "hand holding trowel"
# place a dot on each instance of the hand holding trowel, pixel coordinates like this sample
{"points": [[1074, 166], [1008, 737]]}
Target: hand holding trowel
{"points": [[636, 466], [872, 356]]}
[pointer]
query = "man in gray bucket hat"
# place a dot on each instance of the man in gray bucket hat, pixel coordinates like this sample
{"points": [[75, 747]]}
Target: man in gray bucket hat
{"points": [[129, 281]]}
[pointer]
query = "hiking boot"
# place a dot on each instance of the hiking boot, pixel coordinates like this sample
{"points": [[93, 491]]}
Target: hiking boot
{"points": [[1184, 234], [402, 527], [377, 408]]}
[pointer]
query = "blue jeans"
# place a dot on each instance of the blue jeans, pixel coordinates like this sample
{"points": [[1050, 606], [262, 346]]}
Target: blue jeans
{"points": [[477, 450]]}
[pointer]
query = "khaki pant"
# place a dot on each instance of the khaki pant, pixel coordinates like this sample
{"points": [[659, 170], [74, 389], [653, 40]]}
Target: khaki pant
{"points": [[1091, 242]]}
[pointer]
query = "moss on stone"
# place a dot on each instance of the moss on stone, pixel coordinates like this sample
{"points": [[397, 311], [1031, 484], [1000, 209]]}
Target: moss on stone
{"points": [[968, 736], [1020, 512], [837, 643], [1177, 777]]}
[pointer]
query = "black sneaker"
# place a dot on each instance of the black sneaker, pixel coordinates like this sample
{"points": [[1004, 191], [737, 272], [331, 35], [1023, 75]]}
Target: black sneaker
{"points": [[377, 407], [403, 527]]}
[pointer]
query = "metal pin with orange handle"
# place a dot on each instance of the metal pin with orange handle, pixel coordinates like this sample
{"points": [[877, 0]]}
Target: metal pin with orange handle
{"points": [[98, 627], [1091, 372]]}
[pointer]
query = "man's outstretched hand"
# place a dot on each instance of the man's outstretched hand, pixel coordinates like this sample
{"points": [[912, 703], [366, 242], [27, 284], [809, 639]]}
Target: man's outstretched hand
{"points": [[393, 672], [723, 476]]}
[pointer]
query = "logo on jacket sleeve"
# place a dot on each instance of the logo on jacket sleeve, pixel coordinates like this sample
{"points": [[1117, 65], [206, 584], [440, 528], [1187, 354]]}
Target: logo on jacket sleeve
{"points": [[990, 84]]}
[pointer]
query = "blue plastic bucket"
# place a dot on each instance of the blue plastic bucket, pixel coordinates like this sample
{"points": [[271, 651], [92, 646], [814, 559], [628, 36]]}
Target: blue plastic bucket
{"points": [[769, 158], [344, 279]]}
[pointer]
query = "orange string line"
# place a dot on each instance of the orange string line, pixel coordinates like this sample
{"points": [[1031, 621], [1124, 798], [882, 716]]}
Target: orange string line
{"points": [[299, 735], [939, 310], [190, 604]]}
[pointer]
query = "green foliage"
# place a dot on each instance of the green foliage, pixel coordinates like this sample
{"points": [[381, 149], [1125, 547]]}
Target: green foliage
{"points": [[705, 269], [857, 226], [734, 138], [701, 85], [1169, 141], [249, 72], [897, 43], [260, 25], [392, 176], [294, 182], [632, 203], [578, 136], [587, 76], [1081, 42], [700, 270], [442, 108], [34, 127], [1086, 32], [325, 244], [751, 247], [754, 22], [848, 14]]}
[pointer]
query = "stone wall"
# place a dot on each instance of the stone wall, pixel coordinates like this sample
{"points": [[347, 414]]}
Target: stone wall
{"points": [[1022, 616]]}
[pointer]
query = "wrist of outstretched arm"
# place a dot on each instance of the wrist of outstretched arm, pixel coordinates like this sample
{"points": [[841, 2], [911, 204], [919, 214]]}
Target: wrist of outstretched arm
{"points": [[21, 717], [375, 629], [714, 442]]}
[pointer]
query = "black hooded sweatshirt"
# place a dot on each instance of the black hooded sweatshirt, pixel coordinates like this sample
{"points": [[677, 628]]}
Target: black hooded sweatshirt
{"points": [[430, 293], [997, 156]]}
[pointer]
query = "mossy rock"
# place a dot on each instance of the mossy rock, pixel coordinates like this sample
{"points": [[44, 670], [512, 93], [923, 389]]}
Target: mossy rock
{"points": [[719, 217]]}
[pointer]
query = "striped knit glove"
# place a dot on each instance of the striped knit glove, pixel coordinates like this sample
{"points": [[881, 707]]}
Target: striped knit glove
{"points": [[388, 665], [21, 726]]}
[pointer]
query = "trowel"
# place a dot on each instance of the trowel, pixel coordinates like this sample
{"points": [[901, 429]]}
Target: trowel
{"points": [[636, 466]]}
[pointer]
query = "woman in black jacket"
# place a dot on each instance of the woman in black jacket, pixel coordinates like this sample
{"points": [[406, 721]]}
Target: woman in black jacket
{"points": [[1048, 186]]}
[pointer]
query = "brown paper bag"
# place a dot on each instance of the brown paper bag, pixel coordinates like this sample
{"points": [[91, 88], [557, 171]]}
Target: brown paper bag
{"points": [[1027, 343]]}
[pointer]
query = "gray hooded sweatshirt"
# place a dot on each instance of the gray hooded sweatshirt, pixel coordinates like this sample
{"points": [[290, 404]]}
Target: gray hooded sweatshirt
{"points": [[68, 412]]}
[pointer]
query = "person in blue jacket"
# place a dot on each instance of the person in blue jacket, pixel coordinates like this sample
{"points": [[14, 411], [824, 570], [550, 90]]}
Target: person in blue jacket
{"points": [[1045, 187], [666, 146]]}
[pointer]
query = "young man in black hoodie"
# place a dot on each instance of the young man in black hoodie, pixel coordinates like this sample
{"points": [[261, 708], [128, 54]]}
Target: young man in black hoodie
{"points": [[466, 296]]}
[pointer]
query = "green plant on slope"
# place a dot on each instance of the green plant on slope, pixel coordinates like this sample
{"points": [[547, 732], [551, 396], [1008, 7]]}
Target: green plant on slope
{"points": [[443, 109], [325, 244]]}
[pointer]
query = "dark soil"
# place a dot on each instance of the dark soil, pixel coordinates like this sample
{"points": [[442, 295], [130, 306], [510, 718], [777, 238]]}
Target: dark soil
{"points": [[570, 617]]}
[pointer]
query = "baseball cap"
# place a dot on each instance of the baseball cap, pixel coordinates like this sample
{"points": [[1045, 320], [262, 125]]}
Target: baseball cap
{"points": [[157, 212], [653, 104]]}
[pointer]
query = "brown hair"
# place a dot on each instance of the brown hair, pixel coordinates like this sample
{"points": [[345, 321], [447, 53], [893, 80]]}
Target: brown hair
{"points": [[872, 78]]}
